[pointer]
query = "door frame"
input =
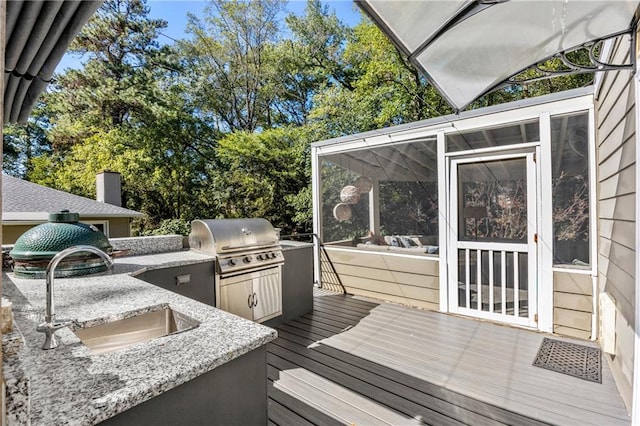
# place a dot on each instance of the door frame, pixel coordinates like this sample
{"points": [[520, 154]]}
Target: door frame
{"points": [[530, 154]]}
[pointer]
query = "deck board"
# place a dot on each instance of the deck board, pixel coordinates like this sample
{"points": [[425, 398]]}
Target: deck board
{"points": [[330, 325], [428, 389], [380, 339], [290, 411], [280, 415], [387, 391], [358, 361]]}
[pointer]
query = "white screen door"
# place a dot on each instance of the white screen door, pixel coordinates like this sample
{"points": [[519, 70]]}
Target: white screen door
{"points": [[493, 261]]}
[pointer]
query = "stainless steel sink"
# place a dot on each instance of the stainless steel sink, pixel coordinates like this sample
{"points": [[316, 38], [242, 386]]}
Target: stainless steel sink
{"points": [[120, 334]]}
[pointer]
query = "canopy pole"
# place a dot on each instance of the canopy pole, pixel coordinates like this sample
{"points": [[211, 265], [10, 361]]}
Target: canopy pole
{"points": [[635, 401]]}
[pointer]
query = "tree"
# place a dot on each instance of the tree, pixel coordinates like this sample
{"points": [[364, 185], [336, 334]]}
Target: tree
{"points": [[22, 143], [321, 39], [260, 172], [386, 89], [388, 82], [126, 110], [227, 64], [116, 82]]}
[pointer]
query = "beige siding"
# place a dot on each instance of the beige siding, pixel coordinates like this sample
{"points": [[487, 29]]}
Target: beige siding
{"points": [[10, 233], [616, 151], [568, 331], [573, 304], [574, 319], [118, 227], [412, 281]]}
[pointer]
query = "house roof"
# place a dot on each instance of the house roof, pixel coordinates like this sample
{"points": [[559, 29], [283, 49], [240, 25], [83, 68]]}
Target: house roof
{"points": [[38, 34], [24, 201], [467, 48]]}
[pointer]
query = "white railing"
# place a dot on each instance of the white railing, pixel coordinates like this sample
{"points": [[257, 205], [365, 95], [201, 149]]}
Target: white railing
{"points": [[480, 287]]}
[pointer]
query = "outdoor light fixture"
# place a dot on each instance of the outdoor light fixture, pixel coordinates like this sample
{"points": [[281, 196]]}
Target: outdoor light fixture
{"points": [[364, 184], [350, 195], [342, 212]]}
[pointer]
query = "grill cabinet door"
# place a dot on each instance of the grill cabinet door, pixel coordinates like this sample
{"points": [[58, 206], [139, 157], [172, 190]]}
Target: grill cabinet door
{"points": [[268, 296], [236, 296]]}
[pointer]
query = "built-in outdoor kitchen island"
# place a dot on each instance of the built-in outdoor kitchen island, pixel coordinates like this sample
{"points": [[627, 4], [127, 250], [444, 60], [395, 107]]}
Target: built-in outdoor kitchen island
{"points": [[213, 373]]}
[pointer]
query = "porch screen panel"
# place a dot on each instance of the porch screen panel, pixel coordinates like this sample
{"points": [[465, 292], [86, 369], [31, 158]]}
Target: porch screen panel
{"points": [[342, 222], [570, 168], [382, 197], [493, 201]]}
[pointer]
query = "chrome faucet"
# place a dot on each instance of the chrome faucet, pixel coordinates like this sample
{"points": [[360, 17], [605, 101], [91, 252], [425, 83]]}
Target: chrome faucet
{"points": [[50, 325]]}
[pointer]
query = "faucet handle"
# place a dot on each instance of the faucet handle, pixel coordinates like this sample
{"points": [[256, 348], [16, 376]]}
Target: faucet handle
{"points": [[49, 329]]}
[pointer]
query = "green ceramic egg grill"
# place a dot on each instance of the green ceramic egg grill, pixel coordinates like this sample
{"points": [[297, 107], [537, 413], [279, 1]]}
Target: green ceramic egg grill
{"points": [[35, 248]]}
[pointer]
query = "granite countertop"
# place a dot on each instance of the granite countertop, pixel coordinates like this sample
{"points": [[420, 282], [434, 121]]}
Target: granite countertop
{"points": [[71, 385]]}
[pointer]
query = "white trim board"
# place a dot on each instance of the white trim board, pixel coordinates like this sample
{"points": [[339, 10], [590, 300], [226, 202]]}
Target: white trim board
{"points": [[432, 258]]}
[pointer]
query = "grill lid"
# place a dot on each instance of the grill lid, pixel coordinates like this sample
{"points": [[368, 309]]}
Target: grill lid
{"points": [[35, 248], [221, 236]]}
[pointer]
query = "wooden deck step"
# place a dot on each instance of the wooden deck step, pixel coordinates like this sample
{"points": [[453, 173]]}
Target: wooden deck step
{"points": [[285, 409]]}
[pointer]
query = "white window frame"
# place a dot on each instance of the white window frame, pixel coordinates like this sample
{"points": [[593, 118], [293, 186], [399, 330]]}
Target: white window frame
{"points": [[103, 222]]}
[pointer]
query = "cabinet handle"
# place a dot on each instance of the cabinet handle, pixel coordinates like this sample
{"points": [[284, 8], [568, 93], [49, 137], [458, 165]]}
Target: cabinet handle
{"points": [[183, 279], [250, 301], [255, 300]]}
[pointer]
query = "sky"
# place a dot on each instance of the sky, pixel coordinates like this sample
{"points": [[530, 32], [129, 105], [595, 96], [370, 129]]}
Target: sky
{"points": [[175, 13]]}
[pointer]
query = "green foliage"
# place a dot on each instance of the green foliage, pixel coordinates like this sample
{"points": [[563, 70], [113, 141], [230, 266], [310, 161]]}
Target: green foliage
{"points": [[117, 83], [226, 58], [302, 205], [124, 112], [387, 90], [321, 39], [20, 144], [262, 175], [388, 83], [171, 227]]}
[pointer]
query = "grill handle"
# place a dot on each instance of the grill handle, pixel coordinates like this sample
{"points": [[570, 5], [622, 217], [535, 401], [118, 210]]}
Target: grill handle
{"points": [[260, 243]]}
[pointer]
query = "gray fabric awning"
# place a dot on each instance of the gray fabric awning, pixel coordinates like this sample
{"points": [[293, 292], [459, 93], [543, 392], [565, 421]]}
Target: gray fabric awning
{"points": [[38, 34], [467, 48]]}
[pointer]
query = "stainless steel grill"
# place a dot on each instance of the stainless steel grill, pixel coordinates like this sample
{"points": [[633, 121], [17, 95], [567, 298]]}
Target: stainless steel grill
{"points": [[248, 267], [240, 245]]}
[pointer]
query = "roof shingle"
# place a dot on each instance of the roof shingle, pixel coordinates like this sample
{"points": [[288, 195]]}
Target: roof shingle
{"points": [[27, 201]]}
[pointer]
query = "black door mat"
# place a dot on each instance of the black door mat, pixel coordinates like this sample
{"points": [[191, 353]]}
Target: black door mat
{"points": [[575, 360]]}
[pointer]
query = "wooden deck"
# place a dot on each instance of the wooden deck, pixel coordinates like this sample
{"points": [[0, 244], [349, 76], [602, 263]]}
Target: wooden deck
{"points": [[358, 362]]}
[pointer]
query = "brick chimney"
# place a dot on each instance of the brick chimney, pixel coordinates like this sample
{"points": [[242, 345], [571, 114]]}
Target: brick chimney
{"points": [[109, 188]]}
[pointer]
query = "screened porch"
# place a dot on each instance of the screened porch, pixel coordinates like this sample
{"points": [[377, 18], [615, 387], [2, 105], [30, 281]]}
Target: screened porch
{"points": [[486, 214]]}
